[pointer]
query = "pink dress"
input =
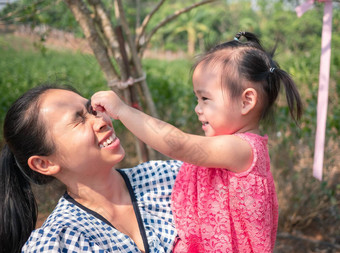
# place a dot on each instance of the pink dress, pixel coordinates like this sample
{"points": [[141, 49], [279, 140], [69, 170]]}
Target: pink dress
{"points": [[216, 210]]}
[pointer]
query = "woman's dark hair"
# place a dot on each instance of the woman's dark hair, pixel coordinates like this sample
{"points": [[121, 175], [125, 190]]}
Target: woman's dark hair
{"points": [[247, 62], [25, 135]]}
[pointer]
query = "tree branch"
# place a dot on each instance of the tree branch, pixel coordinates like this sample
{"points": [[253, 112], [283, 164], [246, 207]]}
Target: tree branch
{"points": [[106, 25], [121, 17], [141, 29], [167, 20], [38, 6], [136, 60], [83, 16]]}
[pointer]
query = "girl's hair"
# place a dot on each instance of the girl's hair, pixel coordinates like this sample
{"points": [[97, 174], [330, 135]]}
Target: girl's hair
{"points": [[247, 63], [25, 135]]}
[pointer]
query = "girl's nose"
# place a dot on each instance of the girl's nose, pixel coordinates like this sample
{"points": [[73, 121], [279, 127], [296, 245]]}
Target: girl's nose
{"points": [[198, 109]]}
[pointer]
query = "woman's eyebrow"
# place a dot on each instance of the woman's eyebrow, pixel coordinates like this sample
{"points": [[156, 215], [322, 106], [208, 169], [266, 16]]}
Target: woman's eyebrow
{"points": [[88, 105], [89, 108]]}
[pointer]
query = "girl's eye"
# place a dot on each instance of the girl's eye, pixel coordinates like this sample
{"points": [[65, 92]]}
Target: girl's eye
{"points": [[204, 98]]}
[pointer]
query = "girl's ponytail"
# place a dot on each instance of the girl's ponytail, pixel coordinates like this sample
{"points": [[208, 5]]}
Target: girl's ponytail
{"points": [[249, 36], [292, 94], [18, 210]]}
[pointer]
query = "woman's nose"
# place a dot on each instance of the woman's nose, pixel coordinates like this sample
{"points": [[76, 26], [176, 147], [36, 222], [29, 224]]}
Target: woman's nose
{"points": [[100, 122]]}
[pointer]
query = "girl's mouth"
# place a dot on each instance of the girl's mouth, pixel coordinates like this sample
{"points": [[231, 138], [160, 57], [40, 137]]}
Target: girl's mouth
{"points": [[205, 125]]}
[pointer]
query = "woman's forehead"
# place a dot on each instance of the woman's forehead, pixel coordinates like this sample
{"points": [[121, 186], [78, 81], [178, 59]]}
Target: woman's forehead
{"points": [[61, 97], [60, 100]]}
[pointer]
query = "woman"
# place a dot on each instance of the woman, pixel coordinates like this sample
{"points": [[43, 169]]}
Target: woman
{"points": [[52, 132]]}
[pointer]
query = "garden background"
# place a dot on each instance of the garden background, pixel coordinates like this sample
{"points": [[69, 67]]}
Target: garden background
{"points": [[48, 45]]}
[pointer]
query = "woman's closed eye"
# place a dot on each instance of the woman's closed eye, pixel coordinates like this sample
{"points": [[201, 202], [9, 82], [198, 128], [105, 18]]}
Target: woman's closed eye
{"points": [[81, 117]]}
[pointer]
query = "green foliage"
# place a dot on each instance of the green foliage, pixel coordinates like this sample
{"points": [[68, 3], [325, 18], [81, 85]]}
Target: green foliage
{"points": [[48, 12], [22, 67], [170, 83]]}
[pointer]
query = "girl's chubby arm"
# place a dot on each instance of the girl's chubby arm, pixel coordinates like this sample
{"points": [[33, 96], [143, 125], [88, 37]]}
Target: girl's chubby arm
{"points": [[223, 151]]}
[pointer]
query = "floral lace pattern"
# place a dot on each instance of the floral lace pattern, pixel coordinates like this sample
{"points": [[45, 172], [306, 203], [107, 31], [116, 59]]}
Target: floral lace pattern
{"points": [[217, 210]]}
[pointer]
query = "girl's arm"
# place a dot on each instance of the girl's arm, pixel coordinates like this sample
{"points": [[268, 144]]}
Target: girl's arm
{"points": [[224, 151]]}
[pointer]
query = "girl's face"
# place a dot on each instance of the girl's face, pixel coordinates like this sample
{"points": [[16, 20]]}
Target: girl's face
{"points": [[84, 142], [218, 114]]}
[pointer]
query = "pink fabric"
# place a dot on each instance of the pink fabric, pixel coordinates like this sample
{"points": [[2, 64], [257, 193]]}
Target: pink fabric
{"points": [[325, 62], [216, 210], [323, 82], [301, 9]]}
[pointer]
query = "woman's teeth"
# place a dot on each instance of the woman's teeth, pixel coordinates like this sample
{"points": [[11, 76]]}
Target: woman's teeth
{"points": [[107, 142]]}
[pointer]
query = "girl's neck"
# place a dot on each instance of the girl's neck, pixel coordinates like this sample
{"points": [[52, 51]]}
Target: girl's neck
{"points": [[252, 128], [253, 131]]}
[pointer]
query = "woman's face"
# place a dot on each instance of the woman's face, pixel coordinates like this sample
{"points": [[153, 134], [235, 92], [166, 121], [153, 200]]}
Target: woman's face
{"points": [[85, 143]]}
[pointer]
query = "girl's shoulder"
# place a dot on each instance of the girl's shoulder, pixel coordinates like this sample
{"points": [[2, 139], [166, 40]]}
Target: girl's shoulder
{"points": [[251, 137], [261, 162]]}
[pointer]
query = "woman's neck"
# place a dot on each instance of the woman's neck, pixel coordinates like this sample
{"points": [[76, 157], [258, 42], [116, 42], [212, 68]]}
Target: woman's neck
{"points": [[100, 191], [109, 196]]}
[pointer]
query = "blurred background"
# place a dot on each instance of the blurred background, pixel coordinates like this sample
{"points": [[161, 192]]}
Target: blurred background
{"points": [[41, 41]]}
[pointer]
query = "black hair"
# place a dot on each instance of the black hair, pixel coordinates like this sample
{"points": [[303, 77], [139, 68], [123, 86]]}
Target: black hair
{"points": [[25, 135], [248, 62]]}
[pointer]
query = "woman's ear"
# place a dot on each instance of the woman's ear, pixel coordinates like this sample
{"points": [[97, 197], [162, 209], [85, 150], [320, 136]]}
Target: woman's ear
{"points": [[249, 100], [43, 165]]}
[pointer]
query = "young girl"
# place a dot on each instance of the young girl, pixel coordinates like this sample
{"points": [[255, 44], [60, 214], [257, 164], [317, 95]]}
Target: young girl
{"points": [[224, 197]]}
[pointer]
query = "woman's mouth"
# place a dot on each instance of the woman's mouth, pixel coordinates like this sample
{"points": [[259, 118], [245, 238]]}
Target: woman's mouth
{"points": [[108, 141]]}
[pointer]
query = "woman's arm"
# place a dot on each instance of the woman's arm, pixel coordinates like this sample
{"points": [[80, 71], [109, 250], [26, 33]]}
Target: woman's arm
{"points": [[224, 151]]}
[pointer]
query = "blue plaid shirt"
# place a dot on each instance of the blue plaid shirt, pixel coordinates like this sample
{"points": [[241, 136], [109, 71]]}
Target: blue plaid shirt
{"points": [[73, 228]]}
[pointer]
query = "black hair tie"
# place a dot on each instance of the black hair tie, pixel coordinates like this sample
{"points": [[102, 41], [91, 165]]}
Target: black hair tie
{"points": [[239, 35]]}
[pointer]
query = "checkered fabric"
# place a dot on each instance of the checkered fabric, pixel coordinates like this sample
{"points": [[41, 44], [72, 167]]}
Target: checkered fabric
{"points": [[73, 228]]}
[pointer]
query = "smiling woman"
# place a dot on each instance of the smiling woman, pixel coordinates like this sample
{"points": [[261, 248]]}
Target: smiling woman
{"points": [[77, 133], [52, 132]]}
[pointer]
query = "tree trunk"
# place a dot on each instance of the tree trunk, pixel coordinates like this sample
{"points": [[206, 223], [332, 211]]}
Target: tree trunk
{"points": [[83, 16], [103, 40], [131, 91]]}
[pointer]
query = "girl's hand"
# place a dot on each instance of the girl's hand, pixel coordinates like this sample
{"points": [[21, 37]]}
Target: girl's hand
{"points": [[107, 102]]}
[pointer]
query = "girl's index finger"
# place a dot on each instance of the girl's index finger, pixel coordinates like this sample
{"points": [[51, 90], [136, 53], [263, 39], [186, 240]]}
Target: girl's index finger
{"points": [[107, 102], [93, 106]]}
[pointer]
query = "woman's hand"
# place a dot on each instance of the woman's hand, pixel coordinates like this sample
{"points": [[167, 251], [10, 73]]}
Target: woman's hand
{"points": [[107, 102]]}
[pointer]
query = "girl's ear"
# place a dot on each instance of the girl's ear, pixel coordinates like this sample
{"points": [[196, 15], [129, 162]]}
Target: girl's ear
{"points": [[43, 165], [249, 100]]}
